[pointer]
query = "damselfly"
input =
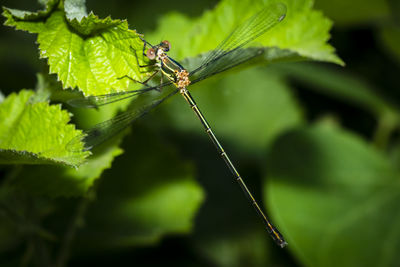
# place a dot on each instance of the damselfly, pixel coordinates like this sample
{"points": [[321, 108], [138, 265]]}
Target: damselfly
{"points": [[228, 54]]}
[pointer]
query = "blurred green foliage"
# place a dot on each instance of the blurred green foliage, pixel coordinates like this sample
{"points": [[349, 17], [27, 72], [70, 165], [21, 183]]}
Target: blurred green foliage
{"points": [[342, 196], [317, 142]]}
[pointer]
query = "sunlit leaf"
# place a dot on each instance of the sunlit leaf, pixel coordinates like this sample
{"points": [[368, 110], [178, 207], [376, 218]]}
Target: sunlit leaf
{"points": [[91, 60], [36, 132]]}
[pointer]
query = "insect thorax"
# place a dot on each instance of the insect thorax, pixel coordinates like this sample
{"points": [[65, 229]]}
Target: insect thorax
{"points": [[182, 79]]}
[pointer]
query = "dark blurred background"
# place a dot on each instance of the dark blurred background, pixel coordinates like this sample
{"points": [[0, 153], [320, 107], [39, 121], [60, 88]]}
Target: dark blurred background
{"points": [[366, 35]]}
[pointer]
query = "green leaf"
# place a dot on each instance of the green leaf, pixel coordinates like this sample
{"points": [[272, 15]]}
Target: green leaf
{"points": [[148, 193], [100, 51], [92, 25], [36, 132], [303, 32], [50, 5], [333, 194], [91, 59], [75, 9], [58, 181], [249, 114]]}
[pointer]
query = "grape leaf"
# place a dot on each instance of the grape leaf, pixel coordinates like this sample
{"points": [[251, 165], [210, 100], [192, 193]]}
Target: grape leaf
{"points": [[329, 192], [36, 132]]}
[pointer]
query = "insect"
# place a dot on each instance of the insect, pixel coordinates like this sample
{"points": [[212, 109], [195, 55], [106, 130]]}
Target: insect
{"points": [[228, 54]]}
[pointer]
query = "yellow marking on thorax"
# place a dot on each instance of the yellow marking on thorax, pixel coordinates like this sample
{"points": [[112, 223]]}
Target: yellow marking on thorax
{"points": [[180, 78]]}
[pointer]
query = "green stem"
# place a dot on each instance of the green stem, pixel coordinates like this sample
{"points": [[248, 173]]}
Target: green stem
{"points": [[76, 223], [387, 123]]}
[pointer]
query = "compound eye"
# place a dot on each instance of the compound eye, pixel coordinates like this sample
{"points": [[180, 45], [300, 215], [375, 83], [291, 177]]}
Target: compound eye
{"points": [[151, 53], [166, 45]]}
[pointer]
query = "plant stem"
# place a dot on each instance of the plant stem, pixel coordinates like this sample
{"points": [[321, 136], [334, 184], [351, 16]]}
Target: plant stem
{"points": [[76, 222], [387, 123]]}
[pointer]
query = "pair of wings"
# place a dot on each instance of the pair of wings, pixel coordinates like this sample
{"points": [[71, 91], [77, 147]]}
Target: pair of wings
{"points": [[228, 54]]}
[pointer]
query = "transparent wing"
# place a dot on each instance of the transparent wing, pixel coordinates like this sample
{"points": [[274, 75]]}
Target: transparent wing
{"points": [[249, 30], [101, 100], [234, 58], [107, 129]]}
